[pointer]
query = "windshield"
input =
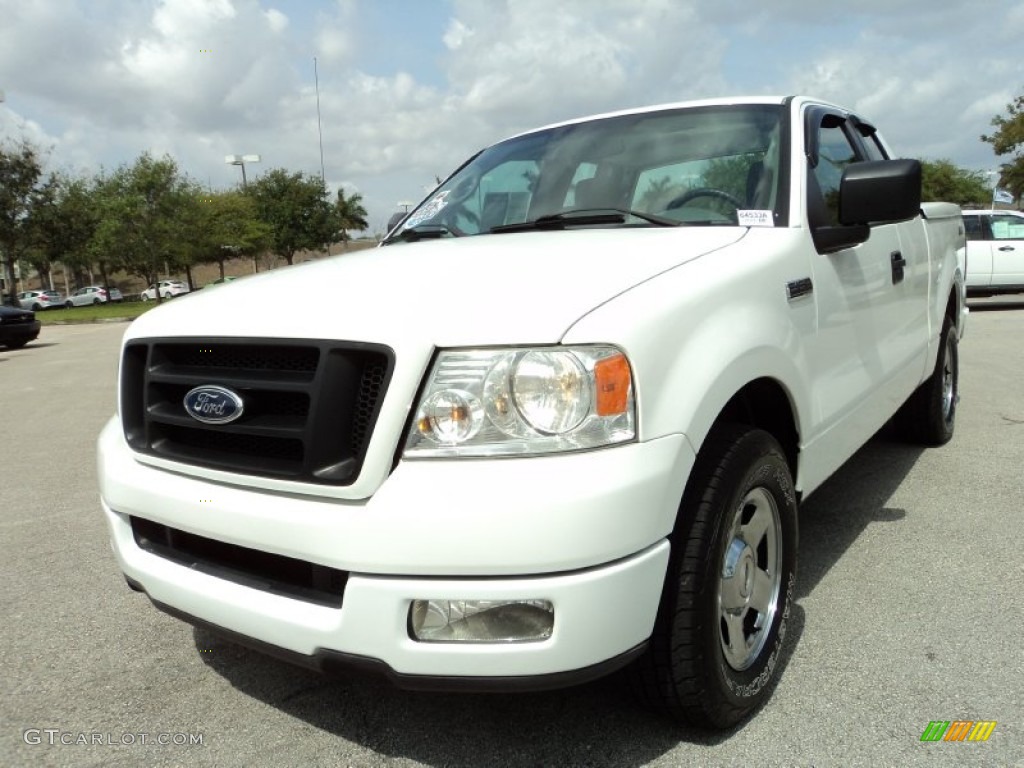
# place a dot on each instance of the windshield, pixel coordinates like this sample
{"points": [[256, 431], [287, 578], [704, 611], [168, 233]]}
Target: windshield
{"points": [[696, 166]]}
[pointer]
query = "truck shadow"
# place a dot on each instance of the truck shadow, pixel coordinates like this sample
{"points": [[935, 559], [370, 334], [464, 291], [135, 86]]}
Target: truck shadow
{"points": [[855, 497], [597, 724]]}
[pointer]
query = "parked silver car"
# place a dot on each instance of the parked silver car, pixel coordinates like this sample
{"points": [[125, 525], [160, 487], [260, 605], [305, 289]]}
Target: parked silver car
{"points": [[37, 301], [92, 294]]}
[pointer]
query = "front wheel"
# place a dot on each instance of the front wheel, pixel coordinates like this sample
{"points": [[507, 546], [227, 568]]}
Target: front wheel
{"points": [[145, 297], [726, 600]]}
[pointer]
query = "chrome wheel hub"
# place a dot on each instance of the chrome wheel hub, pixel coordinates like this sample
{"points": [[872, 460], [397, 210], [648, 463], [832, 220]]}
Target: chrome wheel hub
{"points": [[948, 376], [750, 578]]}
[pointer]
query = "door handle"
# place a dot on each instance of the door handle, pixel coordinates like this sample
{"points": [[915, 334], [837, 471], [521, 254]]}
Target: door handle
{"points": [[1006, 248], [898, 263]]}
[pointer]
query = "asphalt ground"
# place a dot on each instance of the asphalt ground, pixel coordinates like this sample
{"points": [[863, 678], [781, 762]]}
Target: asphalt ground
{"points": [[909, 611]]}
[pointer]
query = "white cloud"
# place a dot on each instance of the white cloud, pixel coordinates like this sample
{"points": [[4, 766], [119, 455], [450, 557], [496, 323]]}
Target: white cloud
{"points": [[278, 21], [103, 82]]}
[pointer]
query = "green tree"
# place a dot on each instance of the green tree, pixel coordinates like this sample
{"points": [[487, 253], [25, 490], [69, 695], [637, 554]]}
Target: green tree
{"points": [[351, 213], [297, 209], [20, 188], [144, 217], [63, 222], [943, 181], [230, 227], [1008, 139]]}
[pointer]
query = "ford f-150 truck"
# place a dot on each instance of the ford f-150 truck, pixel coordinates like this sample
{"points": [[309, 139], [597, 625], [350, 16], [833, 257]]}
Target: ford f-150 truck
{"points": [[559, 423]]}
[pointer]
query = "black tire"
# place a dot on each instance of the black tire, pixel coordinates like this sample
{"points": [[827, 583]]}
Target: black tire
{"points": [[145, 297], [95, 302], [929, 416], [691, 669], [37, 307], [68, 305], [16, 344]]}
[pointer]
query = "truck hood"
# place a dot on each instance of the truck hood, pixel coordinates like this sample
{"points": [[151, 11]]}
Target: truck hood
{"points": [[521, 288]]}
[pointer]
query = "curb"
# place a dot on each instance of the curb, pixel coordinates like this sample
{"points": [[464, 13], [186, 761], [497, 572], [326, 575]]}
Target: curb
{"points": [[92, 322]]}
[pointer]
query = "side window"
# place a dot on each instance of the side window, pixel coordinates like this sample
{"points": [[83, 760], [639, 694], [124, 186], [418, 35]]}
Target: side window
{"points": [[873, 149], [657, 187], [835, 152], [972, 226], [1007, 227]]}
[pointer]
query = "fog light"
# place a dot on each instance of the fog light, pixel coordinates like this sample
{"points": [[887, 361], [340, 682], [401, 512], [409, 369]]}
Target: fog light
{"points": [[481, 621]]}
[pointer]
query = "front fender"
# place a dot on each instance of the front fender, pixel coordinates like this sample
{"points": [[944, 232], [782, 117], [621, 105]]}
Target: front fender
{"points": [[698, 334]]}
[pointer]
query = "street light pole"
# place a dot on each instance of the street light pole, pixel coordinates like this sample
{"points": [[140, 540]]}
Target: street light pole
{"points": [[241, 160]]}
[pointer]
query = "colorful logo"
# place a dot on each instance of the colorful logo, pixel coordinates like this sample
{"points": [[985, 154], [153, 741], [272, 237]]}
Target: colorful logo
{"points": [[958, 730]]}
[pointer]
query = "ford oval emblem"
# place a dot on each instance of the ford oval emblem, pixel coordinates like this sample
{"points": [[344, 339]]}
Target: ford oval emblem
{"points": [[211, 404]]}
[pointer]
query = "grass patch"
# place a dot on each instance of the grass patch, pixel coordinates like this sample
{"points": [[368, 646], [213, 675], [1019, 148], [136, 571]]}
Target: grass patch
{"points": [[95, 313]]}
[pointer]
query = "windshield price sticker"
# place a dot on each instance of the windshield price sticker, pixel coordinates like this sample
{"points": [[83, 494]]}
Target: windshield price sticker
{"points": [[429, 210], [755, 218]]}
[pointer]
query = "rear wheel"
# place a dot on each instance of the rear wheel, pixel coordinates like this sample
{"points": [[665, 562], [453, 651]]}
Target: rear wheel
{"points": [[929, 416], [726, 599]]}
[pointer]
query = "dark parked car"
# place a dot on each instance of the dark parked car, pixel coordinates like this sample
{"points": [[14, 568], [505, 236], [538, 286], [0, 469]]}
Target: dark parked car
{"points": [[17, 327]]}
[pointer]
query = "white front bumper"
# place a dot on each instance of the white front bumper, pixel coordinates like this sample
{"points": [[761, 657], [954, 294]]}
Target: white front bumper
{"points": [[586, 532]]}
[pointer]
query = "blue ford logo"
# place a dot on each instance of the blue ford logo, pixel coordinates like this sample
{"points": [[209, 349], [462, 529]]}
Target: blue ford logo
{"points": [[211, 404]]}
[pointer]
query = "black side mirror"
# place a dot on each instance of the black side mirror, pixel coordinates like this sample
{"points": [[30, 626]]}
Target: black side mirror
{"points": [[875, 192], [879, 192]]}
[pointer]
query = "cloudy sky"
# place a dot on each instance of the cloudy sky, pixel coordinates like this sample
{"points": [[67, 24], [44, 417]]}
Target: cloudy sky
{"points": [[410, 88]]}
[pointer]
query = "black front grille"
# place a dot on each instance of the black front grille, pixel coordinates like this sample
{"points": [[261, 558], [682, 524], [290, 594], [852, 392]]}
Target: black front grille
{"points": [[276, 574], [309, 406]]}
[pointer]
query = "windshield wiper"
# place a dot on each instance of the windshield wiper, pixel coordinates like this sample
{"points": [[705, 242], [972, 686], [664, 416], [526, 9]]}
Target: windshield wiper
{"points": [[420, 232], [583, 217]]}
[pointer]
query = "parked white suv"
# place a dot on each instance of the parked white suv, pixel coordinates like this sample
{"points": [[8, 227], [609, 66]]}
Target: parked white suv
{"points": [[994, 260], [168, 289]]}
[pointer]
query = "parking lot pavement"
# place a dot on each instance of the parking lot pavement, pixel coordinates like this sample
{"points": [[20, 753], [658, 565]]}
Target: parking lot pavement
{"points": [[908, 612]]}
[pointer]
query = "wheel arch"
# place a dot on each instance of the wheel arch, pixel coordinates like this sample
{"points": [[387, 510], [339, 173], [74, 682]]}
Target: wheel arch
{"points": [[765, 404], [763, 389]]}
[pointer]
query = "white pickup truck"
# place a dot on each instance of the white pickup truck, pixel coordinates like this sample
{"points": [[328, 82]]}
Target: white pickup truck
{"points": [[994, 257], [560, 422]]}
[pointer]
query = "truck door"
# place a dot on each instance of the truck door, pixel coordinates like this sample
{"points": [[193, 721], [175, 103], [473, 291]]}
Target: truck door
{"points": [[872, 298]]}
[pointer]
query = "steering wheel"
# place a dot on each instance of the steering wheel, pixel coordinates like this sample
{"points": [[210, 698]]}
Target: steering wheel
{"points": [[683, 199]]}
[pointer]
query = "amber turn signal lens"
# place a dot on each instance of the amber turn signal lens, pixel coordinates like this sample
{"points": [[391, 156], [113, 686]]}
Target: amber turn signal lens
{"points": [[613, 385]]}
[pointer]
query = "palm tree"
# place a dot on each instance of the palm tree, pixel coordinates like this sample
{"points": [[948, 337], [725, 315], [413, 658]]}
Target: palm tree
{"points": [[351, 213]]}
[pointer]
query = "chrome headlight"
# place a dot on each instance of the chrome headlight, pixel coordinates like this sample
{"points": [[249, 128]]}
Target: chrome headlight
{"points": [[521, 401]]}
